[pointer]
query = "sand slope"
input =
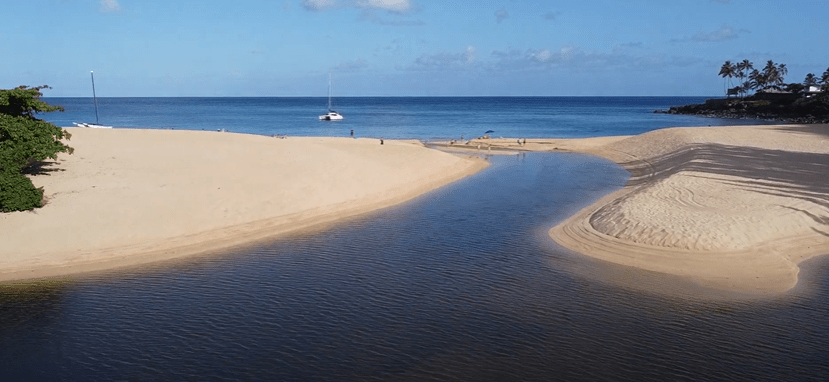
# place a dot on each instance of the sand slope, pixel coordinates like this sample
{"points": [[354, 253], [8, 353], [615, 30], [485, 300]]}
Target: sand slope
{"points": [[732, 207], [134, 196]]}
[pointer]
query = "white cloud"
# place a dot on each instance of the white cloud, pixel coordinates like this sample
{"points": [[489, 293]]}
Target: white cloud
{"points": [[399, 6], [469, 56], [541, 56], [501, 15], [318, 5], [567, 52], [394, 6], [371, 15], [110, 6], [724, 33], [545, 55], [572, 57], [446, 61], [351, 66], [637, 44]]}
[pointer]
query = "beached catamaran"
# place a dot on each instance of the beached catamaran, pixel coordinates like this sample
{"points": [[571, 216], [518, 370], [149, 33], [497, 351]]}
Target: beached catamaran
{"points": [[95, 125], [331, 115]]}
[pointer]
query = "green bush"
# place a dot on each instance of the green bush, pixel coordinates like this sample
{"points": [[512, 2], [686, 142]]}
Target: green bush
{"points": [[17, 193], [24, 142]]}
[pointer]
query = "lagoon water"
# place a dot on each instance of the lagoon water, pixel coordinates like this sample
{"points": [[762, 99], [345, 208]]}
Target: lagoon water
{"points": [[460, 284]]}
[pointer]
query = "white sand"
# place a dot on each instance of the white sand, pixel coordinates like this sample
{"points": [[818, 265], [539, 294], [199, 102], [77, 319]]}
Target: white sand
{"points": [[128, 197], [733, 208]]}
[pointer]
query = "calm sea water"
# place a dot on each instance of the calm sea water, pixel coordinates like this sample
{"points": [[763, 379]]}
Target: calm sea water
{"points": [[391, 117], [460, 284]]}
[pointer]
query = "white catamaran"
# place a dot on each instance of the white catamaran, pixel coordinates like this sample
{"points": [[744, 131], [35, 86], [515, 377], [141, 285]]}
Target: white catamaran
{"points": [[331, 115], [95, 125]]}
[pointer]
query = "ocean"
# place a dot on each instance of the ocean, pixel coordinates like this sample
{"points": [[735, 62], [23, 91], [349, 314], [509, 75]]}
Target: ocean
{"points": [[461, 284], [424, 118]]}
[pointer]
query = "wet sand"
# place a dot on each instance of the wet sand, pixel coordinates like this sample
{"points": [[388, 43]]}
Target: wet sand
{"points": [[128, 197]]}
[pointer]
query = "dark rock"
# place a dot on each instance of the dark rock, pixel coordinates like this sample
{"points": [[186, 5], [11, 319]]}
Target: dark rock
{"points": [[767, 106]]}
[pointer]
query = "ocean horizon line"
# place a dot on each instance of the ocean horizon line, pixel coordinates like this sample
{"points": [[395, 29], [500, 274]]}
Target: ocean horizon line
{"points": [[410, 96]]}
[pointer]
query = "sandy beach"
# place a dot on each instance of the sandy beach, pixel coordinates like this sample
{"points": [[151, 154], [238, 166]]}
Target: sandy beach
{"points": [[128, 197], [733, 208]]}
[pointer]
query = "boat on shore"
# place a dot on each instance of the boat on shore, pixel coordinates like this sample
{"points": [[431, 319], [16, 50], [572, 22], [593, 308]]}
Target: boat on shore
{"points": [[95, 125]]}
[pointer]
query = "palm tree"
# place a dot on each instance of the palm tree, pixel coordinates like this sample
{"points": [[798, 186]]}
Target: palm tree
{"points": [[780, 75], [771, 75], [727, 71], [743, 69], [811, 80], [824, 80], [757, 80]]}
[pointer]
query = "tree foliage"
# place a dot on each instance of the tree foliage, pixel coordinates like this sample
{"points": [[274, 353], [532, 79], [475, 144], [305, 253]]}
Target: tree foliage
{"points": [[744, 68], [810, 80], [728, 71], [772, 76], [824, 80], [25, 141]]}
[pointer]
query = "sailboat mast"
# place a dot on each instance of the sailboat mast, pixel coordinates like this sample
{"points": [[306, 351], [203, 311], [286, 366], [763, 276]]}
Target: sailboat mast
{"points": [[94, 98], [329, 91]]}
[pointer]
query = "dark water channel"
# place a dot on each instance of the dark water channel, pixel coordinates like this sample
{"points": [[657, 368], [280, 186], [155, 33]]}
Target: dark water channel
{"points": [[462, 284]]}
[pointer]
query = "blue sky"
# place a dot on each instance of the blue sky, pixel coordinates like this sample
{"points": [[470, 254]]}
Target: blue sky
{"points": [[402, 47]]}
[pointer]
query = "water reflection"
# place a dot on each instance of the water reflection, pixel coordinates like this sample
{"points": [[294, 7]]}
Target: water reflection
{"points": [[463, 284]]}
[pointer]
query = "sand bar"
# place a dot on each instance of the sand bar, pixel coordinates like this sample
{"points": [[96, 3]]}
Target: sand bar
{"points": [[129, 197], [734, 208]]}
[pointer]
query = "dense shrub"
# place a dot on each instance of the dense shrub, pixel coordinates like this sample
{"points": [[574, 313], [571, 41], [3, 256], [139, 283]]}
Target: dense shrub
{"points": [[25, 141]]}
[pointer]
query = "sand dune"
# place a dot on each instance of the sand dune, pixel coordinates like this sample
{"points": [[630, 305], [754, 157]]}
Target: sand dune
{"points": [[135, 196], [733, 208]]}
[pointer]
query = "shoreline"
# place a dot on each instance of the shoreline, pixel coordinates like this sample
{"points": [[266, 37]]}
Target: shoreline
{"points": [[133, 196], [733, 208]]}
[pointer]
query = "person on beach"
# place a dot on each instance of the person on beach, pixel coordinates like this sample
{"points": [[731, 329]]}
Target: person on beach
{"points": [[352, 133], [381, 141]]}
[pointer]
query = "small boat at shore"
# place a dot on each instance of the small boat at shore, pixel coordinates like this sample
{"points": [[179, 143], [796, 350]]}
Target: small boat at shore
{"points": [[95, 125], [91, 125], [331, 115]]}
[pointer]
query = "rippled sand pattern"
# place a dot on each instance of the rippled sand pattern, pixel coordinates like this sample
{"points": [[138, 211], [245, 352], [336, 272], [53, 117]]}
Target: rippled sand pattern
{"points": [[733, 207], [701, 212]]}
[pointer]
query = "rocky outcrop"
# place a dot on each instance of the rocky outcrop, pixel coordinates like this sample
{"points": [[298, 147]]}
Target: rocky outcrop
{"points": [[773, 107]]}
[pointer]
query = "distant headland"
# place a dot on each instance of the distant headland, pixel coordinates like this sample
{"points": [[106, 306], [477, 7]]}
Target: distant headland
{"points": [[773, 99]]}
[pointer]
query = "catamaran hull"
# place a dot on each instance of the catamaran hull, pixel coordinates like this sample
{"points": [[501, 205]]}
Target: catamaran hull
{"points": [[331, 117], [91, 125]]}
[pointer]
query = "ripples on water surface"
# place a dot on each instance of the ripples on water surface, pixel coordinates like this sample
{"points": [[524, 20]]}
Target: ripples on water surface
{"points": [[462, 284]]}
